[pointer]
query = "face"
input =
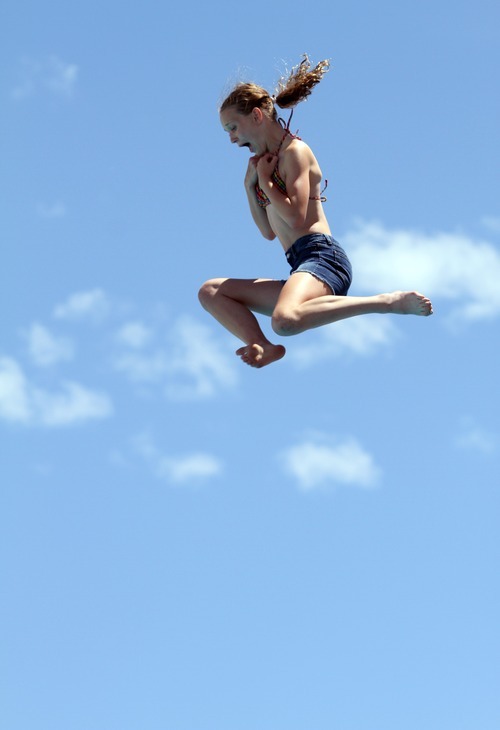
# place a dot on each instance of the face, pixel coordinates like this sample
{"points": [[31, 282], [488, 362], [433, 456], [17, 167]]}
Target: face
{"points": [[242, 128]]}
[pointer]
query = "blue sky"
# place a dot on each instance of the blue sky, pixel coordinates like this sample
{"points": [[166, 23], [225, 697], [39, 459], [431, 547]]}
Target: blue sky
{"points": [[190, 544]]}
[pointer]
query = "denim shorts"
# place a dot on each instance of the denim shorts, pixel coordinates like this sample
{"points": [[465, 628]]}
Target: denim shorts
{"points": [[320, 255]]}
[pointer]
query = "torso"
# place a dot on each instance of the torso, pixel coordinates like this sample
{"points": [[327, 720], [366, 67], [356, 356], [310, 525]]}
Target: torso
{"points": [[316, 221]]}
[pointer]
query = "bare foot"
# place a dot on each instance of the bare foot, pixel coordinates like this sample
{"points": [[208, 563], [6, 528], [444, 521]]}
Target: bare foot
{"points": [[409, 302], [257, 356]]}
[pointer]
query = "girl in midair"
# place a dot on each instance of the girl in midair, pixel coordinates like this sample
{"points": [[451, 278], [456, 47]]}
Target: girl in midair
{"points": [[283, 183]]}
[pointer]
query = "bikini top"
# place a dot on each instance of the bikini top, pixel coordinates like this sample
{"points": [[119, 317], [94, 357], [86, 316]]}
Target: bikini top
{"points": [[276, 178]]}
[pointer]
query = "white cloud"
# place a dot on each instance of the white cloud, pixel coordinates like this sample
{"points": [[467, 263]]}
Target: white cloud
{"points": [[47, 349], [473, 437], [193, 466], [320, 461], [357, 335], [73, 404], [197, 364], [49, 74], [91, 305], [22, 402], [14, 399], [177, 470], [134, 334], [143, 368], [448, 265], [191, 364]]}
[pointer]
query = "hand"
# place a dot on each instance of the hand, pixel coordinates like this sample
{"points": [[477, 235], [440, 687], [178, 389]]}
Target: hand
{"points": [[251, 177], [266, 165]]}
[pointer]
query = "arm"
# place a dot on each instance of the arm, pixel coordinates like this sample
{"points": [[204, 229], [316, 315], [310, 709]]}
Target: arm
{"points": [[259, 214], [295, 167]]}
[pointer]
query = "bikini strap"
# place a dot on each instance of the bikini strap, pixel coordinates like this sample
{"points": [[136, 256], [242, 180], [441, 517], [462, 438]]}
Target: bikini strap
{"points": [[286, 127], [322, 198]]}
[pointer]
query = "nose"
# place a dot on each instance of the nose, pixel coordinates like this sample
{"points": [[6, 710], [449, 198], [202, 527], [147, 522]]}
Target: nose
{"points": [[233, 138]]}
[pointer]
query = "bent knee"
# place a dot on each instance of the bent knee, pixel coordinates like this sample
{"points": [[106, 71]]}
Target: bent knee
{"points": [[286, 323], [208, 290]]}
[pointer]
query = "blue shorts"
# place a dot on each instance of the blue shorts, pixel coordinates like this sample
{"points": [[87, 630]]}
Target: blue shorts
{"points": [[320, 255]]}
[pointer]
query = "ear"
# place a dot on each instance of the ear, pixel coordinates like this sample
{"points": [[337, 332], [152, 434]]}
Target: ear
{"points": [[257, 114]]}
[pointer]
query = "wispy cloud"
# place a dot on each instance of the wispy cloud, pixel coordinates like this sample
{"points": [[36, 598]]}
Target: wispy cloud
{"points": [[179, 360], [51, 211], [176, 469], [361, 336], [322, 461], [46, 348], [15, 402], [187, 363], [23, 402], [144, 368], [61, 76], [138, 360], [474, 437], [134, 334], [197, 364], [51, 74], [90, 305], [491, 222], [74, 403], [451, 266]]}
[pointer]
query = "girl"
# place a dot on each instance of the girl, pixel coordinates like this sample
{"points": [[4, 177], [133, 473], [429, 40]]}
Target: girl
{"points": [[283, 186]]}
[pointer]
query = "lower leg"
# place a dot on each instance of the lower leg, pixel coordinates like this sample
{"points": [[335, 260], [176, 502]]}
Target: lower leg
{"points": [[328, 309], [238, 319]]}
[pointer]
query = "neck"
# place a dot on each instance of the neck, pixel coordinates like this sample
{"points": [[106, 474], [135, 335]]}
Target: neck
{"points": [[276, 138]]}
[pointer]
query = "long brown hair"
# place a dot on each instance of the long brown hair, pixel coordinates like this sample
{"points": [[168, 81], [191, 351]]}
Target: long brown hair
{"points": [[290, 90]]}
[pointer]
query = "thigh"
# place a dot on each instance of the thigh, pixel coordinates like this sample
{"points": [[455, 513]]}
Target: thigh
{"points": [[259, 295], [302, 287]]}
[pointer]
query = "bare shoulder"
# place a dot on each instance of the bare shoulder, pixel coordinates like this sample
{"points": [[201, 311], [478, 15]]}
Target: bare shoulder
{"points": [[298, 152]]}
